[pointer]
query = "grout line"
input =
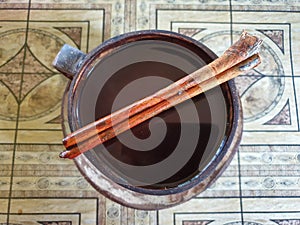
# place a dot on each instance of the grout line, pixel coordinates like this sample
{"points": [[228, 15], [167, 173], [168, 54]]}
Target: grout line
{"points": [[238, 152], [18, 114], [231, 22], [240, 187], [293, 77]]}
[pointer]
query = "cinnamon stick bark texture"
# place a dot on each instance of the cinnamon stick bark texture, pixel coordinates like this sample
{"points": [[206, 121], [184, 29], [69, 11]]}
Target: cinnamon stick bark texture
{"points": [[239, 58]]}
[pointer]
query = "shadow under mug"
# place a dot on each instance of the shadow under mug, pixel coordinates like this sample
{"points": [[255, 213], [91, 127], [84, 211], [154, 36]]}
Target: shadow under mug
{"points": [[168, 159]]}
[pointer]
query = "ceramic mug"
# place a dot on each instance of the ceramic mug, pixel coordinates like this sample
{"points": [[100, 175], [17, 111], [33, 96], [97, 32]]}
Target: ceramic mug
{"points": [[168, 159]]}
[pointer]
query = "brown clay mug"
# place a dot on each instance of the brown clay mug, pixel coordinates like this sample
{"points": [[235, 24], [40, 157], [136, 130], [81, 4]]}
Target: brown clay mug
{"points": [[168, 159]]}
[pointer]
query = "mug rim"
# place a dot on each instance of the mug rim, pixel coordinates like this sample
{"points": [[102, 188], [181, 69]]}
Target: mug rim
{"points": [[211, 171]]}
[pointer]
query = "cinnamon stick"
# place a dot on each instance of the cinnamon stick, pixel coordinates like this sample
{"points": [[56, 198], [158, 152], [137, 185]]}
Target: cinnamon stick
{"points": [[237, 59]]}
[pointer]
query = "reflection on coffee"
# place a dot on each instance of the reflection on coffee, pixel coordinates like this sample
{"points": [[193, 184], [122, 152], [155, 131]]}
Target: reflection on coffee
{"points": [[207, 128]]}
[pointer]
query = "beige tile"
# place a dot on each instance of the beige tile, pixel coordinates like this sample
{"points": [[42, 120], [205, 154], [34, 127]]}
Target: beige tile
{"points": [[7, 136], [87, 28], [117, 214], [45, 219], [50, 183], [14, 3], [113, 213], [6, 158], [39, 136], [9, 7], [192, 17], [286, 138], [144, 217], [273, 117], [6, 154], [30, 211], [28, 156], [265, 5], [199, 21], [272, 218], [159, 14], [272, 20], [3, 210], [218, 210], [270, 170], [110, 13], [12, 39], [282, 205], [227, 185], [297, 88], [277, 111], [38, 171], [41, 108], [3, 218], [42, 86], [5, 185], [12, 35]]}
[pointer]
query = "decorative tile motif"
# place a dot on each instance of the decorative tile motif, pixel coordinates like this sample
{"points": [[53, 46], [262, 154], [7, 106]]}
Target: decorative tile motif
{"points": [[269, 170], [55, 222], [242, 223], [277, 36], [74, 33], [263, 111], [283, 117], [147, 15], [144, 217], [235, 218], [5, 170], [32, 100], [203, 211], [287, 221], [44, 211], [113, 213], [199, 222]]}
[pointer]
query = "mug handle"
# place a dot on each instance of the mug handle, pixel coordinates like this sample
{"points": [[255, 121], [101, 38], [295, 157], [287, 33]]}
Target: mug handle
{"points": [[68, 60]]}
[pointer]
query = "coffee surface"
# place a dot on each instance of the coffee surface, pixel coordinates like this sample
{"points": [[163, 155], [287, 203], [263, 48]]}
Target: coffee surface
{"points": [[171, 148]]}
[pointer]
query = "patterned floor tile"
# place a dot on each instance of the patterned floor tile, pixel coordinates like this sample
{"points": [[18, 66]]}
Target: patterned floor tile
{"points": [[12, 23], [271, 218], [14, 4], [271, 211], [162, 14], [81, 25], [264, 4], [34, 90], [54, 211], [6, 157], [193, 19], [119, 215], [144, 217], [283, 204], [270, 170], [12, 39], [3, 209], [227, 185], [38, 171], [42, 86], [297, 90], [202, 211], [114, 14], [271, 117]]}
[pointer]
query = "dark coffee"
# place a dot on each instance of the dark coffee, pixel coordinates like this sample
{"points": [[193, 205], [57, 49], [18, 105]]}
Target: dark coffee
{"points": [[183, 139]]}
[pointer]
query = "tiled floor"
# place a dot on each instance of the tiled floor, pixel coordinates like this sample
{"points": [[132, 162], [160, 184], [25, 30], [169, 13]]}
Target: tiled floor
{"points": [[261, 185]]}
